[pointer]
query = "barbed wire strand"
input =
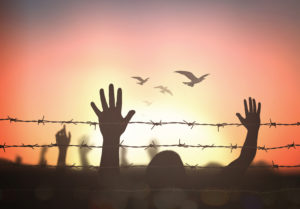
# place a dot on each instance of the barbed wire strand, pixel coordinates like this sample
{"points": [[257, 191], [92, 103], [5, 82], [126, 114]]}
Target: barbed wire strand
{"points": [[152, 123], [4, 146], [193, 167]]}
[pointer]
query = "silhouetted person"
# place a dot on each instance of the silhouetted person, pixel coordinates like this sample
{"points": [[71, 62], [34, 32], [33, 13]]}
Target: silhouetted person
{"points": [[18, 160], [251, 122], [166, 169], [231, 173], [112, 125], [62, 141], [124, 161], [43, 161], [83, 151]]}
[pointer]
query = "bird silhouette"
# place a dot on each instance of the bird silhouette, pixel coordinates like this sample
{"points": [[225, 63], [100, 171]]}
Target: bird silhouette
{"points": [[147, 103], [164, 89], [192, 77], [141, 80]]}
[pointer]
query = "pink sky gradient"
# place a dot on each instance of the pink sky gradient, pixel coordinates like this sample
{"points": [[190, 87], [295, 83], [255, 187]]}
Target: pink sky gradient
{"points": [[56, 67]]}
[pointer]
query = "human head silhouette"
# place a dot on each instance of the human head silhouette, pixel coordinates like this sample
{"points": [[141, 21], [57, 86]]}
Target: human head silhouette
{"points": [[166, 170]]}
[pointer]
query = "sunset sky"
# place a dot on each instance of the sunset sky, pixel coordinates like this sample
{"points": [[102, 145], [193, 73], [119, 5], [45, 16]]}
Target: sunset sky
{"points": [[56, 56]]}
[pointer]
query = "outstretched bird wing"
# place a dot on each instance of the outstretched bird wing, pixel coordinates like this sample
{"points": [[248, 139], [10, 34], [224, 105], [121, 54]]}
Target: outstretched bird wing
{"points": [[203, 77], [168, 91], [159, 87], [138, 78], [190, 75]]}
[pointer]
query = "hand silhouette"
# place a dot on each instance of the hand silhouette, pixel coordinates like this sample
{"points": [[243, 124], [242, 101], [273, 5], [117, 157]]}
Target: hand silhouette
{"points": [[62, 140], [43, 161], [252, 119], [111, 122], [84, 140]]}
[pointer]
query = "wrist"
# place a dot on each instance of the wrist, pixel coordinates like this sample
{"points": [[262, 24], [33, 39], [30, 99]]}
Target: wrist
{"points": [[62, 149], [253, 129], [111, 141]]}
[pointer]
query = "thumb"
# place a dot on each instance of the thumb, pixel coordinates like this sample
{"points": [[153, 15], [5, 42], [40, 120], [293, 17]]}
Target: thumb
{"points": [[129, 116], [240, 118]]}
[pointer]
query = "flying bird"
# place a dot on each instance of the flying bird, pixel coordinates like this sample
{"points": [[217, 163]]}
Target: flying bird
{"points": [[141, 80], [192, 77], [164, 89], [147, 103]]}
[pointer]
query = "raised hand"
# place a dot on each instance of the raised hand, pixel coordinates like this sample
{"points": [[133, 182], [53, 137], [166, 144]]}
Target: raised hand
{"points": [[112, 123], [83, 151], [252, 122], [252, 119], [62, 141]]}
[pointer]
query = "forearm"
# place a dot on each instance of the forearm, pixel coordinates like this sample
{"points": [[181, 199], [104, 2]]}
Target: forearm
{"points": [[110, 155], [248, 151], [61, 161], [84, 160]]}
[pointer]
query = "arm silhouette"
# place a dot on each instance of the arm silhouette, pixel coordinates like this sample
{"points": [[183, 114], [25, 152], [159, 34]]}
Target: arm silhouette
{"points": [[62, 141], [252, 123], [83, 151], [112, 125], [43, 161]]}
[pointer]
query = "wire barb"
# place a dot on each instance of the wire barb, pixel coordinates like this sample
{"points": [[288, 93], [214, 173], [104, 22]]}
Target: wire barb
{"points": [[272, 124], [156, 124], [291, 145], [274, 165], [11, 119], [233, 147], [191, 124], [220, 125], [182, 145], [41, 121], [3, 146]]}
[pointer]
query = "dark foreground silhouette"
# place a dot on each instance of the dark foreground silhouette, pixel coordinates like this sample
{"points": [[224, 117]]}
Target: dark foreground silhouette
{"points": [[31, 187], [166, 168], [164, 184]]}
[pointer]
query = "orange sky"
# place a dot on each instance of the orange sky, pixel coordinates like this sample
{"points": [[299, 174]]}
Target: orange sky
{"points": [[55, 61]]}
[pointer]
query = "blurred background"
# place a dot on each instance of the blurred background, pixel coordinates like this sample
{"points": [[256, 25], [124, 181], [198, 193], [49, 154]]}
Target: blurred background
{"points": [[56, 55]]}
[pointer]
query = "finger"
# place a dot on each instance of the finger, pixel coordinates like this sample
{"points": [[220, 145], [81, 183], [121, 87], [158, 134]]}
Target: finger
{"points": [[95, 108], [254, 105], [111, 96], [246, 107], [64, 130], [129, 116], [119, 100], [250, 105], [103, 100], [258, 109], [240, 118], [69, 137]]}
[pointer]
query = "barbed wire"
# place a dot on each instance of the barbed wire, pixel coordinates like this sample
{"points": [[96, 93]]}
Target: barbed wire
{"points": [[153, 145], [131, 166], [151, 123]]}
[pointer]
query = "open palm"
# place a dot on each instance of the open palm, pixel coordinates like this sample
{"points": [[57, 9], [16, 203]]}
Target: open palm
{"points": [[252, 115], [111, 122]]}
